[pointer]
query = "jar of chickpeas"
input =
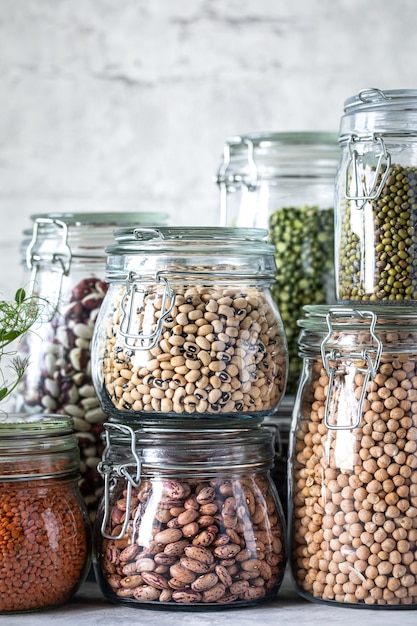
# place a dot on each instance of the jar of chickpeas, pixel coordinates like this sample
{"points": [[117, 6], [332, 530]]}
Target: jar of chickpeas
{"points": [[353, 501]]}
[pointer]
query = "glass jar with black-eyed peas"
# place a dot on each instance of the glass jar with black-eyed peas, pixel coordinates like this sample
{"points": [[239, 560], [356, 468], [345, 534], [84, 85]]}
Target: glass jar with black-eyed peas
{"points": [[66, 258], [353, 450], [188, 327], [190, 519], [376, 198]]}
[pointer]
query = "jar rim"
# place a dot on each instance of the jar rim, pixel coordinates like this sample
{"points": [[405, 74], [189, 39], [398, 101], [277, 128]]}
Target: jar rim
{"points": [[255, 157], [18, 425], [108, 218], [387, 316], [374, 98], [191, 239]]}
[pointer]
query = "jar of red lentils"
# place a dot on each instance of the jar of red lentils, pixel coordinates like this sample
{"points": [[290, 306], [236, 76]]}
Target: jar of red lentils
{"points": [[44, 526], [353, 484], [188, 326]]}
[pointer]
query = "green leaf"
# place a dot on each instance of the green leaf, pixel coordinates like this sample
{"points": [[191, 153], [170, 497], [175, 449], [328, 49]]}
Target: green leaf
{"points": [[20, 296], [3, 393]]}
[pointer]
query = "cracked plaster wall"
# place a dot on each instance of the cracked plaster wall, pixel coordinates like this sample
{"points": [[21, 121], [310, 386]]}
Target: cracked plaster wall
{"points": [[125, 104]]}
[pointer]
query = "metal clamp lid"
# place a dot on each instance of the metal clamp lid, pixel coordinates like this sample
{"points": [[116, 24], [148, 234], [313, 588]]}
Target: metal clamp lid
{"points": [[368, 357], [59, 259], [132, 300], [112, 472], [383, 158]]}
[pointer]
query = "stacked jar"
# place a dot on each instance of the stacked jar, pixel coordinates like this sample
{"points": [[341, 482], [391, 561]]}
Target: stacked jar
{"points": [[189, 357], [66, 257], [353, 504]]}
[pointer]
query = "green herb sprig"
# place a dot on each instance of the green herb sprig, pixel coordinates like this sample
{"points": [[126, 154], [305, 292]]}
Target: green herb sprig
{"points": [[17, 317]]}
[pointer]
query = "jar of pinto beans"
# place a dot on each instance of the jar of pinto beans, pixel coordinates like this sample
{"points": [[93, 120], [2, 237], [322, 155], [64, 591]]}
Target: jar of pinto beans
{"points": [[190, 519], [45, 534], [353, 487], [376, 198], [188, 326], [65, 253]]}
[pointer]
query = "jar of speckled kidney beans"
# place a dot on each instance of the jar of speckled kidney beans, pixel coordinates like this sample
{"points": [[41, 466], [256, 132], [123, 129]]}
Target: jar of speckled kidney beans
{"points": [[45, 533], [353, 481], [376, 198], [190, 519], [188, 326], [66, 256]]}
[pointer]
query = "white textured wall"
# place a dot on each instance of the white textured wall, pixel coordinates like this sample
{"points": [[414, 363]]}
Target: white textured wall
{"points": [[125, 104]]}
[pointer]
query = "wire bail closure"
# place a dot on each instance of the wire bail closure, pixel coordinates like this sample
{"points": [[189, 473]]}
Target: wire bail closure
{"points": [[360, 194], [223, 178], [370, 356], [111, 473], [60, 261], [133, 299]]}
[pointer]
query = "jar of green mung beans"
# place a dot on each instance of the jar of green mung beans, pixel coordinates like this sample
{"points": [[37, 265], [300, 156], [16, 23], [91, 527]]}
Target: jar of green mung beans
{"points": [[285, 182], [376, 198]]}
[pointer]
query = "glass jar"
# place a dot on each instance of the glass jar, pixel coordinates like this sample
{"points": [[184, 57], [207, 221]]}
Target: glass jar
{"points": [[285, 182], [280, 426], [188, 326], [189, 519], [376, 205], [354, 458], [45, 537], [67, 258]]}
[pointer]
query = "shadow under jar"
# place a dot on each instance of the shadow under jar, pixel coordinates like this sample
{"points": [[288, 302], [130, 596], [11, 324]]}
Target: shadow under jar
{"points": [[188, 326], [189, 519], [45, 533], [353, 486]]}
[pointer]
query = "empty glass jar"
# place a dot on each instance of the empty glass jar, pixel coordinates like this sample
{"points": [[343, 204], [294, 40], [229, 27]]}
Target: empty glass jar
{"points": [[189, 519], [188, 326]]}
